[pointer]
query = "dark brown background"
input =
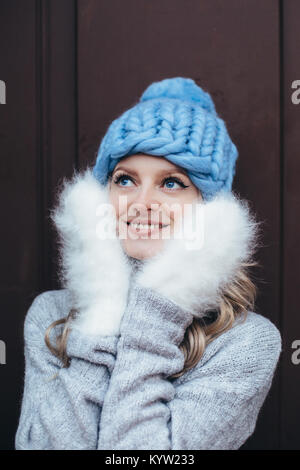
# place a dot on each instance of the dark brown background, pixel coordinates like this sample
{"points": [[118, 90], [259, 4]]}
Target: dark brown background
{"points": [[71, 67]]}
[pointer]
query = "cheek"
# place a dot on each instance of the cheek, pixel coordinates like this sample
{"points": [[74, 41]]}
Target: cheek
{"points": [[119, 203], [182, 206], [176, 211]]}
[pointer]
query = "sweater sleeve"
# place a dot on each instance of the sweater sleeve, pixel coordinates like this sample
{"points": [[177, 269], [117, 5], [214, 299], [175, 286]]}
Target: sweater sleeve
{"points": [[212, 406], [61, 406]]}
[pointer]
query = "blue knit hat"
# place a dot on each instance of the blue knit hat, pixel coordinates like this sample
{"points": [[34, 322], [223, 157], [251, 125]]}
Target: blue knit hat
{"points": [[175, 119]]}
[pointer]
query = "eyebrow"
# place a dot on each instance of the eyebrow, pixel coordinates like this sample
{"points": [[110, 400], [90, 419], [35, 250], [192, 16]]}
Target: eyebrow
{"points": [[166, 172]]}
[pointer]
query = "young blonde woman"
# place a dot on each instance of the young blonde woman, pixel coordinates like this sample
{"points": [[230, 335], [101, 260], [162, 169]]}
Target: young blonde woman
{"points": [[153, 342]]}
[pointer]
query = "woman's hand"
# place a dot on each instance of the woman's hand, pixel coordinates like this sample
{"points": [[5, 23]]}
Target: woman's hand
{"points": [[94, 266], [204, 255]]}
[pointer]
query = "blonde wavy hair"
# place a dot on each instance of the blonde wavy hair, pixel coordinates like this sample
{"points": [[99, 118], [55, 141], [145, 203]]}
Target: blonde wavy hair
{"points": [[236, 300]]}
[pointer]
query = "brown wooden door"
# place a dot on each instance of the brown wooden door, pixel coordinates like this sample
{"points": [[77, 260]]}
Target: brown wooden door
{"points": [[71, 67]]}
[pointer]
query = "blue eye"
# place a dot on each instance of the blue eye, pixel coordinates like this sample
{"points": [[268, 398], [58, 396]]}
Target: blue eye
{"points": [[170, 182], [122, 178], [173, 180]]}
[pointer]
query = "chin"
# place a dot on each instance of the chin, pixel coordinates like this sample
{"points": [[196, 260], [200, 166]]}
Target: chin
{"points": [[142, 249]]}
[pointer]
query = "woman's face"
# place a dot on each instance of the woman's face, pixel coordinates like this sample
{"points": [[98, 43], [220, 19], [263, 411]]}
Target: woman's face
{"points": [[154, 192]]}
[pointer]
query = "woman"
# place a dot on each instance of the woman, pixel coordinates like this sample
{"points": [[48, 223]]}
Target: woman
{"points": [[153, 342]]}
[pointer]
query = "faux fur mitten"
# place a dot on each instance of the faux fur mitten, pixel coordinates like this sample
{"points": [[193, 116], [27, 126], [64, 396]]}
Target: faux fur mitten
{"points": [[211, 245], [93, 265]]}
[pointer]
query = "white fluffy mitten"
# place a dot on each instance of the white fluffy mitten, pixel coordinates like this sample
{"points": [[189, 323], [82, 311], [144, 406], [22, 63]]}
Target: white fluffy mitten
{"points": [[93, 264], [193, 272]]}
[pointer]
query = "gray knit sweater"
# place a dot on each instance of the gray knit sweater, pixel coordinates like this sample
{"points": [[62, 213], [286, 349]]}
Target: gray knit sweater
{"points": [[124, 343], [116, 393]]}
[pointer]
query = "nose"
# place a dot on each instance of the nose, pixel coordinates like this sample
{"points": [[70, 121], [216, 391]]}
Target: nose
{"points": [[144, 201]]}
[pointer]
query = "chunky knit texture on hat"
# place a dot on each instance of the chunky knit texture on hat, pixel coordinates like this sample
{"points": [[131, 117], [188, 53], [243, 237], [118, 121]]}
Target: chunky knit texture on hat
{"points": [[175, 119]]}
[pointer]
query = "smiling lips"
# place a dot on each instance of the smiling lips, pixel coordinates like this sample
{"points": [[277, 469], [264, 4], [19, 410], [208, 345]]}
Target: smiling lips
{"points": [[144, 227]]}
